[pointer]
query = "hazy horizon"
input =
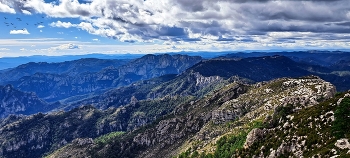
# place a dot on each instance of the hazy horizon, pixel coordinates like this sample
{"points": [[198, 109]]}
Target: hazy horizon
{"points": [[74, 27]]}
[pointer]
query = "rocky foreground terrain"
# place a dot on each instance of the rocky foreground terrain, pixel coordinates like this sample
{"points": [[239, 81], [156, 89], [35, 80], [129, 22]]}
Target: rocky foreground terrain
{"points": [[298, 117]]}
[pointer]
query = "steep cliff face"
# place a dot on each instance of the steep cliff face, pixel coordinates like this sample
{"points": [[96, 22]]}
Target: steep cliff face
{"points": [[13, 101]]}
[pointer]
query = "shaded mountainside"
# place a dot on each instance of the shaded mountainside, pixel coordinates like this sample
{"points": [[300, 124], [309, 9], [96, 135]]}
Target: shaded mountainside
{"points": [[342, 65], [314, 57], [271, 67], [187, 84], [150, 66], [70, 68], [216, 125], [41, 133], [254, 68], [53, 87], [13, 101], [121, 96]]}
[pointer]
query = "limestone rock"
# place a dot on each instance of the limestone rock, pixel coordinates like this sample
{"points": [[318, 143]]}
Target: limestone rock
{"points": [[253, 136], [343, 144]]}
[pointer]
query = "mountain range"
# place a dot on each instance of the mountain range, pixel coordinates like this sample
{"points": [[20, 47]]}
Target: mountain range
{"points": [[179, 106], [57, 81]]}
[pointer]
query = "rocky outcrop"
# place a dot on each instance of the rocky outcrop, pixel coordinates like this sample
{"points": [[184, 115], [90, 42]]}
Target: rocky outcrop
{"points": [[221, 116], [82, 141], [203, 81], [343, 143], [253, 136], [295, 146]]}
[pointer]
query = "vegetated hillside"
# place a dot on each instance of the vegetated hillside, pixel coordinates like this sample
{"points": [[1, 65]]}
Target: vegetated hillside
{"points": [[38, 134], [189, 83], [143, 106], [120, 96], [70, 68], [318, 131], [53, 87], [216, 125], [13, 101]]}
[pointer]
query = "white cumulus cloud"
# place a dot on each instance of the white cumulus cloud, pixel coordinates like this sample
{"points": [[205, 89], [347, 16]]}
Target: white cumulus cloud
{"points": [[6, 9], [62, 24], [66, 47], [26, 12], [22, 31]]}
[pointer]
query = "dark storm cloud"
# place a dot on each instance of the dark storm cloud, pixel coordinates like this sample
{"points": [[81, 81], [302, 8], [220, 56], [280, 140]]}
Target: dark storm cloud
{"points": [[171, 31], [192, 5], [219, 20]]}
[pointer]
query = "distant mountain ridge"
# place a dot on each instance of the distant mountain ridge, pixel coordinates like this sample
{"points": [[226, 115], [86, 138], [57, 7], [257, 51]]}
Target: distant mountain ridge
{"points": [[12, 62], [315, 57], [70, 68], [54, 87], [254, 68]]}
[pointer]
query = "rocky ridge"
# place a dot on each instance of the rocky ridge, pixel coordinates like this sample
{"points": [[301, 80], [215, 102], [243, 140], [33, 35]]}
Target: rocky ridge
{"points": [[235, 109], [258, 104]]}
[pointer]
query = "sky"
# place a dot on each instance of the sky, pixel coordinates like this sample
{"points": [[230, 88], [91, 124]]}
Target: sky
{"points": [[67, 27]]}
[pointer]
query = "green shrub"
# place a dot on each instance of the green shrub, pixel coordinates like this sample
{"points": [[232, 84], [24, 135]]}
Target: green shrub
{"points": [[341, 126]]}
